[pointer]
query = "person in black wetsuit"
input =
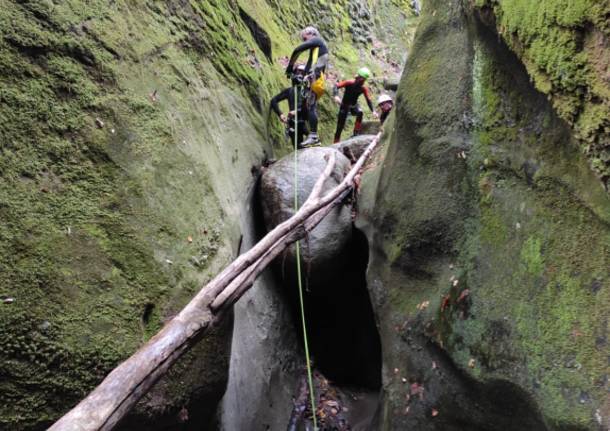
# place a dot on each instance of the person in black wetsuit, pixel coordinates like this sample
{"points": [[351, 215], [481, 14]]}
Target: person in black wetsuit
{"points": [[289, 94], [314, 69], [349, 104]]}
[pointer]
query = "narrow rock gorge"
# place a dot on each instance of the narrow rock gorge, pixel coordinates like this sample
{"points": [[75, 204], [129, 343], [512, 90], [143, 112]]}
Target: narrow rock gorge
{"points": [[463, 285]]}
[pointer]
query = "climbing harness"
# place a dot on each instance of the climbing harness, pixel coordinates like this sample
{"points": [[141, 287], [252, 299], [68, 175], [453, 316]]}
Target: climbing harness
{"points": [[298, 257]]}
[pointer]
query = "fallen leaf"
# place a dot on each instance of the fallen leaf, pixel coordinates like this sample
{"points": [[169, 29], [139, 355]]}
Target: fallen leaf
{"points": [[423, 305], [417, 389], [463, 295], [183, 415]]}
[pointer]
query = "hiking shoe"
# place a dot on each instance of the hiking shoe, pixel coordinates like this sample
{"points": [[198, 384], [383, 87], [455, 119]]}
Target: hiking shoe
{"points": [[311, 141]]}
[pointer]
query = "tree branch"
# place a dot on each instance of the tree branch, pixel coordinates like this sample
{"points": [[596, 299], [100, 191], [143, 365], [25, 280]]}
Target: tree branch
{"points": [[103, 408]]}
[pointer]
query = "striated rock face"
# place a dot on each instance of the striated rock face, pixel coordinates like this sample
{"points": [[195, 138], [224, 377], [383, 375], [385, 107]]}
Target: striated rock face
{"points": [[324, 249], [490, 246]]}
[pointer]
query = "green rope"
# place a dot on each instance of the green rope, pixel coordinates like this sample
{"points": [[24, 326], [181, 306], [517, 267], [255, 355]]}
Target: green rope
{"points": [[298, 255]]}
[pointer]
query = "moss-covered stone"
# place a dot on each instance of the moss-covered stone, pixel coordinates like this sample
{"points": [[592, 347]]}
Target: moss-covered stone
{"points": [[564, 46]]}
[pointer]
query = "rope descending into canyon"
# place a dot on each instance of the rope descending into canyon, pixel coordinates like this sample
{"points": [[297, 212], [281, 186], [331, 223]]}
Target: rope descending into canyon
{"points": [[298, 257]]}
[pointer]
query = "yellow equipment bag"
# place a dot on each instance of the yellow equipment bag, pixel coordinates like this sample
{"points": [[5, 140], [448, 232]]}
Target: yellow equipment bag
{"points": [[319, 86]]}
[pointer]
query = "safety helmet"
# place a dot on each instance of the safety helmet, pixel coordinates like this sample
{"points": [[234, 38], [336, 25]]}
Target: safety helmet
{"points": [[364, 72], [383, 99], [310, 31], [298, 74]]}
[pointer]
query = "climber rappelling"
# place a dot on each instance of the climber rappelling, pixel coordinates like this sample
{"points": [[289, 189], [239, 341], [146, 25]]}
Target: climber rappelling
{"points": [[349, 104], [296, 107], [314, 76]]}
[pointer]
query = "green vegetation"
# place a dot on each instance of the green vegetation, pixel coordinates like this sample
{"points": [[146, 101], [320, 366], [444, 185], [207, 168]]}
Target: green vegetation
{"points": [[498, 256], [542, 246], [129, 130], [561, 44]]}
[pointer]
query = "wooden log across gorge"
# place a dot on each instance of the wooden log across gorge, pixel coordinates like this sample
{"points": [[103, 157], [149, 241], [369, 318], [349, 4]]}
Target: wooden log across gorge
{"points": [[112, 399]]}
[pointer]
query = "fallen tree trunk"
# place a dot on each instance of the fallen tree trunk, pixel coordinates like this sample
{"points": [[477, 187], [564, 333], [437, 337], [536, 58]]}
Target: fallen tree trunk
{"points": [[103, 408]]}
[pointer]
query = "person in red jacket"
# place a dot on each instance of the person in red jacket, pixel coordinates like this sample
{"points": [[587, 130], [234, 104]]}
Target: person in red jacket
{"points": [[349, 104]]}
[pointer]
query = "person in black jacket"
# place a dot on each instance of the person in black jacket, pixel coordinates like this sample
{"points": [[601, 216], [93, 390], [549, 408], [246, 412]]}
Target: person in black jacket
{"points": [[315, 67], [289, 94]]}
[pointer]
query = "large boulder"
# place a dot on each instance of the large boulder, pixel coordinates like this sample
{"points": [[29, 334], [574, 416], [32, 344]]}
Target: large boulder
{"points": [[324, 248], [354, 146]]}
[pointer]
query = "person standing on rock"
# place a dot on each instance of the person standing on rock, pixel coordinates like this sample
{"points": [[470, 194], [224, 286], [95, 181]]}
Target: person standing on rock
{"points": [[314, 70], [349, 104], [290, 94]]}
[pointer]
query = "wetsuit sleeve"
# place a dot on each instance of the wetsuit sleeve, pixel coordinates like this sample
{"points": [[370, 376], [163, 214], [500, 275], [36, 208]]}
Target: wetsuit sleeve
{"points": [[310, 44], [341, 84], [367, 96], [277, 99]]}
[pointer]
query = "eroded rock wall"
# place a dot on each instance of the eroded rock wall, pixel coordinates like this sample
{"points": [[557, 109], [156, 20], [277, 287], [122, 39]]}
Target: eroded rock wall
{"points": [[490, 243], [129, 134], [565, 47]]}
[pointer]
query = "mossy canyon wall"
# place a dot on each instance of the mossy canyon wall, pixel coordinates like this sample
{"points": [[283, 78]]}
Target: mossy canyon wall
{"points": [[130, 138], [490, 234]]}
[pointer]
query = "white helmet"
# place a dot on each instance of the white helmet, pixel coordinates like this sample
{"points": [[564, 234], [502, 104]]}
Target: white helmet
{"points": [[383, 99], [310, 30]]}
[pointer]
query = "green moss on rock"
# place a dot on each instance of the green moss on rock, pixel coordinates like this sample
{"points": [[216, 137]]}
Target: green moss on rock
{"points": [[564, 47], [126, 129], [489, 268]]}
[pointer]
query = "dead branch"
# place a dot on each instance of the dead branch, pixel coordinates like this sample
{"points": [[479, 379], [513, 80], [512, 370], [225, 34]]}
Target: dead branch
{"points": [[103, 408]]}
